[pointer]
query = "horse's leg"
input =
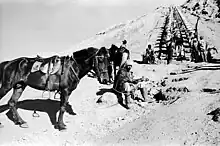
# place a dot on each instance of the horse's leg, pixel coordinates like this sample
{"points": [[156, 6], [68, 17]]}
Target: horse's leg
{"points": [[63, 103], [120, 98], [4, 91], [18, 90], [114, 71], [110, 73]]}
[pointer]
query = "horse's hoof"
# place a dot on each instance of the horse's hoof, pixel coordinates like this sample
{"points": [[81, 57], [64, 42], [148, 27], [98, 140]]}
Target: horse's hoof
{"points": [[60, 127], [127, 107], [24, 125]]}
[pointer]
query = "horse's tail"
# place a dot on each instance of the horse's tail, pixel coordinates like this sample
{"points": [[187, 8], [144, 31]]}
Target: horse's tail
{"points": [[11, 72], [2, 78], [2, 68]]}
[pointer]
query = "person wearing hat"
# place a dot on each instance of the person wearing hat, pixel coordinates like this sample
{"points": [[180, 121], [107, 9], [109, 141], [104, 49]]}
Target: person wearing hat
{"points": [[196, 35], [195, 50], [194, 42], [124, 52], [203, 48], [148, 56], [179, 46], [125, 84], [210, 50], [169, 45], [192, 51], [124, 43]]}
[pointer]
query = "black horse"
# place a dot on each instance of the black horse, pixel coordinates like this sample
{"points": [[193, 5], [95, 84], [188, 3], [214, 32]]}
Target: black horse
{"points": [[61, 74], [118, 56]]}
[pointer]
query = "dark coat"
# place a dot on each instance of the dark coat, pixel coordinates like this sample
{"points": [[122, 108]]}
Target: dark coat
{"points": [[122, 77]]}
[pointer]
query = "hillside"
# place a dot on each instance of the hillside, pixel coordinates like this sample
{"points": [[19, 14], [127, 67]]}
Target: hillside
{"points": [[209, 8]]}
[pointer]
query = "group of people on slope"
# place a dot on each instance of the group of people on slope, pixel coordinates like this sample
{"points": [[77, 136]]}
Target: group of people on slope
{"points": [[200, 50]]}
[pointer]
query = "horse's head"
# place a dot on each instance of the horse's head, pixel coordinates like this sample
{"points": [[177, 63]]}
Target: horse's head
{"points": [[112, 52], [100, 65]]}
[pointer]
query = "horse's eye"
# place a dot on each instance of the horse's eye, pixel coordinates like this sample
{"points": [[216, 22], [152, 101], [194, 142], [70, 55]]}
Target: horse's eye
{"points": [[101, 59]]}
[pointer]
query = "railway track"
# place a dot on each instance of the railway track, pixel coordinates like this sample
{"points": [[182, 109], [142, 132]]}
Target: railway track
{"points": [[174, 20]]}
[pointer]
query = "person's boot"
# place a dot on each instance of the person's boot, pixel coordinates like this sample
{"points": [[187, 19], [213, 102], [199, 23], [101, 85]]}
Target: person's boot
{"points": [[146, 97], [143, 94], [127, 100]]}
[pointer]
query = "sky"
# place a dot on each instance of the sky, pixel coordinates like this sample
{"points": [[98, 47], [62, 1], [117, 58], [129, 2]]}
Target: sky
{"points": [[28, 27]]}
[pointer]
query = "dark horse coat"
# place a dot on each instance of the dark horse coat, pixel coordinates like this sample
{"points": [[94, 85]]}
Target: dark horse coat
{"points": [[117, 55], [17, 74]]}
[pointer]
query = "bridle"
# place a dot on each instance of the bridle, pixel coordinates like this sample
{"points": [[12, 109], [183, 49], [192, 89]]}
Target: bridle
{"points": [[96, 59], [93, 65]]}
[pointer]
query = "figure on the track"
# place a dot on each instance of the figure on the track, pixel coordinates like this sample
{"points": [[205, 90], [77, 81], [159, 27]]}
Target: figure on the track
{"points": [[195, 50], [196, 35], [192, 52], [194, 43], [203, 49], [148, 56], [170, 46], [209, 56], [180, 52]]}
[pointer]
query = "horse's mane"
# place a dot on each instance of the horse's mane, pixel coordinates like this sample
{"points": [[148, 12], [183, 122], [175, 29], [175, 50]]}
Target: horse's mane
{"points": [[113, 45], [84, 53]]}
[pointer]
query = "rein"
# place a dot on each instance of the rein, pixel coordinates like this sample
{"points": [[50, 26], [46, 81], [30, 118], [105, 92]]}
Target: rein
{"points": [[92, 56], [103, 71], [120, 91], [74, 72]]}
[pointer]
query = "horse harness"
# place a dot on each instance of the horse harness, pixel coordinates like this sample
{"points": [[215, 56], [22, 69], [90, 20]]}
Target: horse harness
{"points": [[50, 66]]}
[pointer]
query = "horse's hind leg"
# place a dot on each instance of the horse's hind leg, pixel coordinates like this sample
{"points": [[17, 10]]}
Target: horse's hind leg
{"points": [[63, 104], [4, 91], [114, 71], [17, 91]]}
